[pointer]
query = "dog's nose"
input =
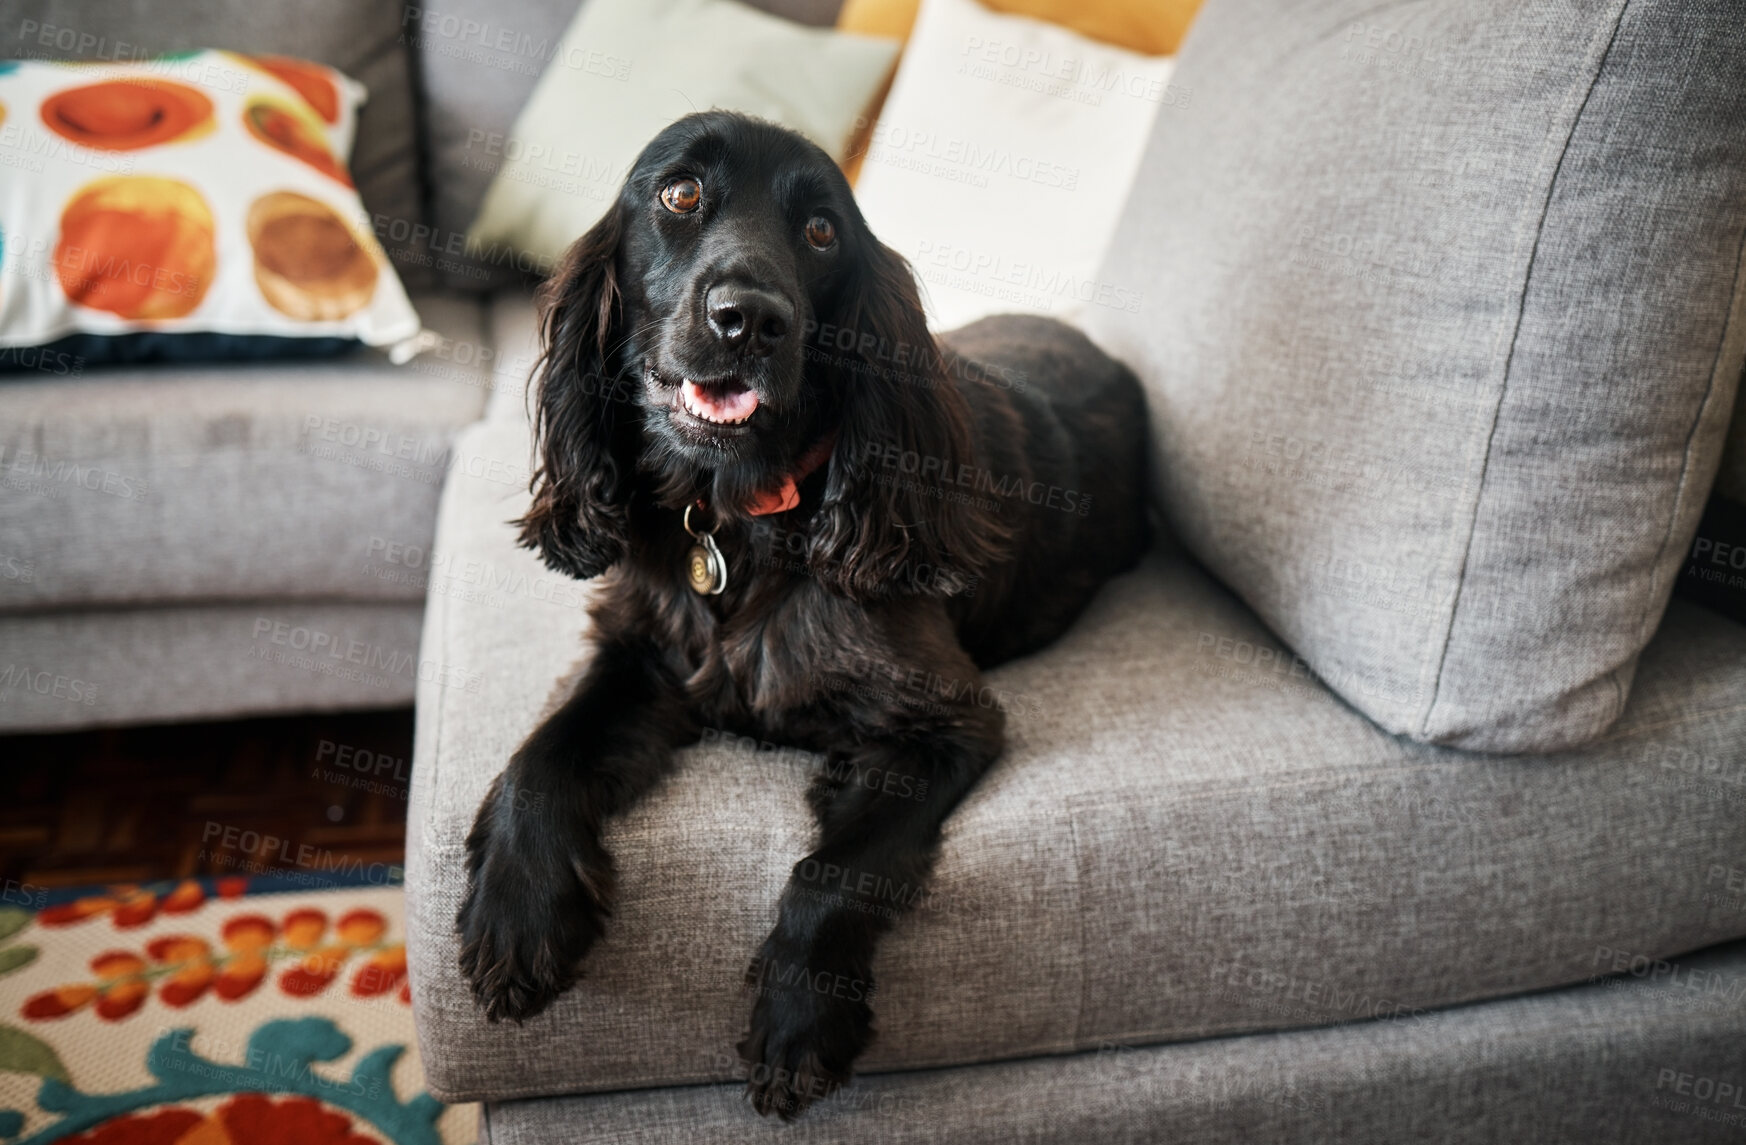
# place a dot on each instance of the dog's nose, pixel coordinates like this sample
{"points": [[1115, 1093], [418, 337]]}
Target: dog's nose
{"points": [[749, 318]]}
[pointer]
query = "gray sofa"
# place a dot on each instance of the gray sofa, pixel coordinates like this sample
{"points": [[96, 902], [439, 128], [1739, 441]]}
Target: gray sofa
{"points": [[1203, 897]]}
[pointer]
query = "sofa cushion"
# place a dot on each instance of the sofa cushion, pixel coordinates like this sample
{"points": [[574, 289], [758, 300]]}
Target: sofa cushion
{"points": [[362, 38], [1188, 835], [98, 667], [296, 480], [479, 61], [1442, 326], [1618, 1062], [513, 322]]}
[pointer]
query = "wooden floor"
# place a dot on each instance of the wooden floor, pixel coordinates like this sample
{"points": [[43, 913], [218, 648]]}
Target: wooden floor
{"points": [[301, 795]]}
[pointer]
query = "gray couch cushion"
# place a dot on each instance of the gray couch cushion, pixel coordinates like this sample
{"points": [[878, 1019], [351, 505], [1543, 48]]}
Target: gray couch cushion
{"points": [[360, 37], [1615, 1063], [296, 480], [1442, 325], [479, 61], [65, 670], [1188, 835]]}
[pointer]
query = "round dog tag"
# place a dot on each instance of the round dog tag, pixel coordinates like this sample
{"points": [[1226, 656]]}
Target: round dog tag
{"points": [[705, 567]]}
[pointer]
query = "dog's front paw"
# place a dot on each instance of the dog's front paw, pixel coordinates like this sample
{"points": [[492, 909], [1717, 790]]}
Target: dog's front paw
{"points": [[539, 890], [808, 1027]]}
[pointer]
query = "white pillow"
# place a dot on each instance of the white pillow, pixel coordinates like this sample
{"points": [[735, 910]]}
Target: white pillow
{"points": [[1001, 160], [625, 69]]}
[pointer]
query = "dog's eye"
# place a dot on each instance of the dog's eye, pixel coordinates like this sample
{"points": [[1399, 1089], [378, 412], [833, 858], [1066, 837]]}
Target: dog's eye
{"points": [[681, 196], [820, 232]]}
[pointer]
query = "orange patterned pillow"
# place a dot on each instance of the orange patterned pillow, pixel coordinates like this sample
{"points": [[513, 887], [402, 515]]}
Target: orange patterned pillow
{"points": [[199, 194]]}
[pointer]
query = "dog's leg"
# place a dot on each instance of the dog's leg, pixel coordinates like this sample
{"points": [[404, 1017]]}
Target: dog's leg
{"points": [[539, 881], [881, 806]]}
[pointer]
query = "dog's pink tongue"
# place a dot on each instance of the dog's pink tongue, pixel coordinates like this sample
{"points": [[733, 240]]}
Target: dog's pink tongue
{"points": [[721, 404]]}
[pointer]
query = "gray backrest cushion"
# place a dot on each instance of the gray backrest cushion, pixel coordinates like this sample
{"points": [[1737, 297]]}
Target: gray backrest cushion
{"points": [[1442, 324], [478, 62], [361, 38]]}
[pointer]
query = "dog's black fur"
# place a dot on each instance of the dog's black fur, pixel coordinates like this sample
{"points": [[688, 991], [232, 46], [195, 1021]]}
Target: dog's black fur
{"points": [[977, 495]]}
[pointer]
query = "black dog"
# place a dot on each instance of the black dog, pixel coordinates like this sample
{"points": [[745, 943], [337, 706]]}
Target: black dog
{"points": [[818, 526]]}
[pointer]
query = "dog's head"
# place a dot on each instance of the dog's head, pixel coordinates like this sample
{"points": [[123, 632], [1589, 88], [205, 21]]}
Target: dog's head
{"points": [[728, 319]]}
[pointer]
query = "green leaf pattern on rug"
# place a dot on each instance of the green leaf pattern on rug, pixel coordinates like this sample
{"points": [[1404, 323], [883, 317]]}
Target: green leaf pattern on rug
{"points": [[19, 1051], [13, 920], [26, 1053]]}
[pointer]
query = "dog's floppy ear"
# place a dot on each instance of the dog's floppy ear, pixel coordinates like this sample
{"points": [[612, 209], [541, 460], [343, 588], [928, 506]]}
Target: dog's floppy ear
{"points": [[889, 523], [584, 470]]}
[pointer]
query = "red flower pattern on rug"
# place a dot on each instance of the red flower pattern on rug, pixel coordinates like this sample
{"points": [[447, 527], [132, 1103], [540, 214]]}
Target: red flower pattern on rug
{"points": [[185, 967]]}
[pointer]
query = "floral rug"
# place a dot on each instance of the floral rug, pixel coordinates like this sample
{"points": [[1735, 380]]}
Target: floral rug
{"points": [[212, 1012]]}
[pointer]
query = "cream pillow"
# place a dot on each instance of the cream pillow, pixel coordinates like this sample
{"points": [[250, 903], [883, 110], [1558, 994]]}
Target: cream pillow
{"points": [[625, 69], [1002, 158]]}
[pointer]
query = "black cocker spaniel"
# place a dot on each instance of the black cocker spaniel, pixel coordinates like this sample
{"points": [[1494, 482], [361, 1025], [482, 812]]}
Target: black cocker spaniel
{"points": [[815, 525]]}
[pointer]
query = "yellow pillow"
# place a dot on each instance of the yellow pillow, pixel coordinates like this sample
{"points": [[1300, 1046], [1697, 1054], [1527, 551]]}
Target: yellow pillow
{"points": [[893, 18], [1155, 27]]}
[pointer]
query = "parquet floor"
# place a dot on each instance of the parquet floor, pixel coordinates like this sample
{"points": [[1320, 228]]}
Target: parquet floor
{"points": [[300, 794]]}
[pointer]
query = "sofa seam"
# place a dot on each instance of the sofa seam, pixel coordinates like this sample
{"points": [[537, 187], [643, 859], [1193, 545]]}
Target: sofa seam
{"points": [[1430, 710], [1084, 946]]}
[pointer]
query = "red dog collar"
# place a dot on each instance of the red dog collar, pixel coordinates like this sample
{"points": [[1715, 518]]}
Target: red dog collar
{"points": [[787, 495]]}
